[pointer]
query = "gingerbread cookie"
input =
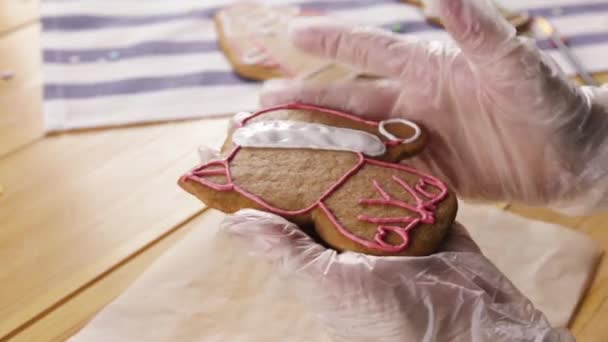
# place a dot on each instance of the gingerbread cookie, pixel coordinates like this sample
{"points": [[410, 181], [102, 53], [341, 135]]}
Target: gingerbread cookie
{"points": [[337, 171], [254, 40]]}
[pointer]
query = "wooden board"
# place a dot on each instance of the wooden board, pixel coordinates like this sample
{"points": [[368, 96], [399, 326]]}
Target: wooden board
{"points": [[16, 13], [76, 205], [589, 322], [63, 320], [601, 77], [20, 89]]}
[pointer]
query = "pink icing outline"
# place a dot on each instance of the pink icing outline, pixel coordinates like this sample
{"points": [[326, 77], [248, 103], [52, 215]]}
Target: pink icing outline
{"points": [[424, 208]]}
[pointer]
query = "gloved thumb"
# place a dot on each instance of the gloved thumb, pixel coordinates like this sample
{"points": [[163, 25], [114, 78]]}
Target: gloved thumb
{"points": [[273, 238]]}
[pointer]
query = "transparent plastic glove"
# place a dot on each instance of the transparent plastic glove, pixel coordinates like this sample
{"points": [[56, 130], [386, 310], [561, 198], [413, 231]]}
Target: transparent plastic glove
{"points": [[505, 123], [455, 295]]}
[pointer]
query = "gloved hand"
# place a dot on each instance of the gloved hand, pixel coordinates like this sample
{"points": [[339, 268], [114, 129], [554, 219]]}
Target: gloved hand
{"points": [[455, 295], [505, 123]]}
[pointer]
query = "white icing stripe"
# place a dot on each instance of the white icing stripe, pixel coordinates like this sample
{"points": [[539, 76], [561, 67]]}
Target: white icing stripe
{"points": [[293, 134]]}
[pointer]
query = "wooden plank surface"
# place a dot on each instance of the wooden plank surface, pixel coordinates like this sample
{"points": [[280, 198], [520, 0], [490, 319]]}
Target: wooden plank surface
{"points": [[17, 13], [65, 319], [20, 88], [589, 321], [75, 205]]}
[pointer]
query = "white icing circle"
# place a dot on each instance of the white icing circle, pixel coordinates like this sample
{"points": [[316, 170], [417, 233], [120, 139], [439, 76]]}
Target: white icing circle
{"points": [[388, 135]]}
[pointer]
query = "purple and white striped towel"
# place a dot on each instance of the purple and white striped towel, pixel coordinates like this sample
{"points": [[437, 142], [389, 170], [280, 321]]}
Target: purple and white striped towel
{"points": [[115, 62]]}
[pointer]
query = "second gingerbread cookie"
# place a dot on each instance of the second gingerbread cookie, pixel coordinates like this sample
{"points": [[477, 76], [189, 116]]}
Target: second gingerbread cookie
{"points": [[337, 171]]}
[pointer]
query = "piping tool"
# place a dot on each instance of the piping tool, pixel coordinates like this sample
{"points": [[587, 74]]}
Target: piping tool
{"points": [[543, 27]]}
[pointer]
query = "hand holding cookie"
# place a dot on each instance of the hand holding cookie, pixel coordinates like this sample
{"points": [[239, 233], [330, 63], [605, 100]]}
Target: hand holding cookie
{"points": [[333, 172], [454, 295], [504, 123]]}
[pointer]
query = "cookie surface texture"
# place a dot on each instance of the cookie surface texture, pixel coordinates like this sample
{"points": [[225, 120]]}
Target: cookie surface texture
{"points": [[338, 172]]}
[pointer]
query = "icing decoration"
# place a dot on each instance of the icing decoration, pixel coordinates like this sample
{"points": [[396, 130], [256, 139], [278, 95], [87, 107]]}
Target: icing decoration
{"points": [[255, 56], [388, 135], [422, 211], [294, 134]]}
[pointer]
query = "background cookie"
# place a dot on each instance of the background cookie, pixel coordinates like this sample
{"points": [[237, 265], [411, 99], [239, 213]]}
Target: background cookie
{"points": [[237, 28], [357, 200], [252, 37], [248, 35]]}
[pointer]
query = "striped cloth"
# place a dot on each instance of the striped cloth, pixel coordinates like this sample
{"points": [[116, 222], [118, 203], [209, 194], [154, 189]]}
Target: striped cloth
{"points": [[116, 62]]}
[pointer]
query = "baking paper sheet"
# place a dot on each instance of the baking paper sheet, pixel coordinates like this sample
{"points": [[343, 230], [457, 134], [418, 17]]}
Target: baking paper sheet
{"points": [[207, 289]]}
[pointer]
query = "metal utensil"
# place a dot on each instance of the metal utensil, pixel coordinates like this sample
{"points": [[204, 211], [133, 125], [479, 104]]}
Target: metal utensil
{"points": [[543, 26]]}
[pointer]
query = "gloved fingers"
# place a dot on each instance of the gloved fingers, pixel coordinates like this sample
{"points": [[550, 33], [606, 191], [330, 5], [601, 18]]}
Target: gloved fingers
{"points": [[349, 266], [370, 98], [479, 29], [273, 238], [369, 50], [391, 270]]}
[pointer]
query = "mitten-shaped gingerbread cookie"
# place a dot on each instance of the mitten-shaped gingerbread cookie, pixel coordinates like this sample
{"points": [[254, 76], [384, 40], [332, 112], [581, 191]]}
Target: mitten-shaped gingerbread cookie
{"points": [[333, 170]]}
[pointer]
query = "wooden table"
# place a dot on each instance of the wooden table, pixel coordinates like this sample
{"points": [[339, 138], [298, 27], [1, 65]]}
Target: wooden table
{"points": [[83, 214]]}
